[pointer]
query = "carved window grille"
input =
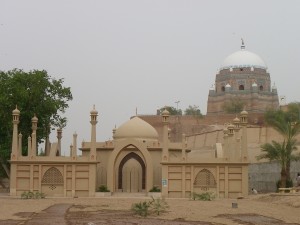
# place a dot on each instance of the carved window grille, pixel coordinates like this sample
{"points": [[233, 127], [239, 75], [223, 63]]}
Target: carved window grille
{"points": [[205, 178], [53, 176]]}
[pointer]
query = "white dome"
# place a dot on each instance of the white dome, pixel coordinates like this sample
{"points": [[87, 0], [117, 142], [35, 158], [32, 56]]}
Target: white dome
{"points": [[136, 128], [243, 58]]}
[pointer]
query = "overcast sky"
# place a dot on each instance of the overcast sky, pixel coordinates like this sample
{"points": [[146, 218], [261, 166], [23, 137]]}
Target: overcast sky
{"points": [[128, 54]]}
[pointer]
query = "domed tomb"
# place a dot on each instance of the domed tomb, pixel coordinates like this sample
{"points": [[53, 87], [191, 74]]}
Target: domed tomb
{"points": [[136, 128], [243, 59], [239, 71]]}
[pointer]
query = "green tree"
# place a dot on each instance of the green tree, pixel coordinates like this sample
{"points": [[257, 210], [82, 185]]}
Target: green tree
{"points": [[34, 92], [172, 110], [283, 152], [235, 105], [193, 110]]}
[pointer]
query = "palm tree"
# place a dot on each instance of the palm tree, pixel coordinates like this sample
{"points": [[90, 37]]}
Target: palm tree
{"points": [[282, 152]]}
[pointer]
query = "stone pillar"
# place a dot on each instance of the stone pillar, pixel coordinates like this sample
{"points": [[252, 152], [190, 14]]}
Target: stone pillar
{"points": [[16, 121], [74, 148], [29, 146], [20, 144], [165, 153], [244, 122], [59, 137], [34, 122], [165, 120], [94, 114], [236, 123], [183, 150], [231, 142], [225, 147]]}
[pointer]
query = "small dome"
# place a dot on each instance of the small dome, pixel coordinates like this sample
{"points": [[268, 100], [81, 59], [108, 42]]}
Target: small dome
{"points": [[16, 111], [34, 119], [254, 84], [165, 113], [94, 111], [236, 120], [242, 59], [136, 128], [228, 86], [244, 112]]}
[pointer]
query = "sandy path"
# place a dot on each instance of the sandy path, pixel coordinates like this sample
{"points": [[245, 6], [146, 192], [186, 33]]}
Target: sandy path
{"points": [[285, 208]]}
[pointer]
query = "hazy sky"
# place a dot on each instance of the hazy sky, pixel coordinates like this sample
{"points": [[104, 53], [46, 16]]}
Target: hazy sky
{"points": [[122, 55]]}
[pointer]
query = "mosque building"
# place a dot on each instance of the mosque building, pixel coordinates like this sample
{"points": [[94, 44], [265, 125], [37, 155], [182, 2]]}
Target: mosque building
{"points": [[135, 161], [243, 76]]}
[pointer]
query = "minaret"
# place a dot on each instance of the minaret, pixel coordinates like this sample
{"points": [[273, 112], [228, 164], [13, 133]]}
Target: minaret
{"points": [[34, 122], [20, 144], [231, 148], [165, 120], [74, 148], [236, 123], [16, 121], [94, 114], [183, 151], [244, 122], [59, 137], [226, 148]]}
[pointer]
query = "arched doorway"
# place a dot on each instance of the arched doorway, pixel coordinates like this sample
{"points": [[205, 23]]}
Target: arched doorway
{"points": [[132, 173]]}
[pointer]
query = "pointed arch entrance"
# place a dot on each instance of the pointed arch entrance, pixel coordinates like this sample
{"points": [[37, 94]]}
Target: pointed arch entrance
{"points": [[132, 173]]}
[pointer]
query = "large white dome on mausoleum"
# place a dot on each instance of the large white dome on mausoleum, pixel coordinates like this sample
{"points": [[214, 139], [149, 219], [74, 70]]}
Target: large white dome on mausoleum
{"points": [[136, 128], [242, 59]]}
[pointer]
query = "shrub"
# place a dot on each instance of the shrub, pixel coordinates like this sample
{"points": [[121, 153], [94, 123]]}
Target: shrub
{"points": [[205, 196], [103, 188], [141, 208], [154, 189], [156, 206], [32, 195], [159, 205]]}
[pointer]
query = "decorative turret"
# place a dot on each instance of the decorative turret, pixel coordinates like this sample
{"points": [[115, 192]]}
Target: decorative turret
{"points": [[244, 122], [59, 137], [236, 123], [74, 147], [254, 87], [183, 153], [227, 87], [94, 115], [165, 120], [226, 147], [34, 122], [16, 121]]}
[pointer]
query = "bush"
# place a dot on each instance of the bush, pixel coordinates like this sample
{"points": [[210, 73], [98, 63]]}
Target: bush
{"points": [[159, 205], [141, 208], [156, 206], [205, 196], [32, 195], [103, 188], [154, 189]]}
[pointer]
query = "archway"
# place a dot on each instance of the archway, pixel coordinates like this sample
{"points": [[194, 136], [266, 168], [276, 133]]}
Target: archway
{"points": [[241, 87], [132, 173], [261, 88]]}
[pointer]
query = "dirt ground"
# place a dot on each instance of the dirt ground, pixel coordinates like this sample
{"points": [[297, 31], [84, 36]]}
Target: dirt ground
{"points": [[254, 210]]}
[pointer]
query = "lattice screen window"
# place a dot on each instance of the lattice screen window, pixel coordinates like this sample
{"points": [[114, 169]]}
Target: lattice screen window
{"points": [[205, 178], [53, 176]]}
